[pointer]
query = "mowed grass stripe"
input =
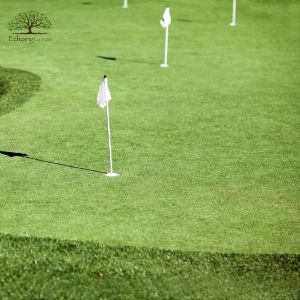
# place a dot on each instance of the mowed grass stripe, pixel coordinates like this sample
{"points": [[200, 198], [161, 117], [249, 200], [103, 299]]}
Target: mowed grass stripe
{"points": [[32, 268]]}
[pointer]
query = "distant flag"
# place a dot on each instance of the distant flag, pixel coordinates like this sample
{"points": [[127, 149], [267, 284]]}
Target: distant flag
{"points": [[233, 22], [125, 5], [166, 18], [103, 99], [165, 23]]}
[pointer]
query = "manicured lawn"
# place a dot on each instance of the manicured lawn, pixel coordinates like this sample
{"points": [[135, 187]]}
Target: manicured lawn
{"points": [[208, 149]]}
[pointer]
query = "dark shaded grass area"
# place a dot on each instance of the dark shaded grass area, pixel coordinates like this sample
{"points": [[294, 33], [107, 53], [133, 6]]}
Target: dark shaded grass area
{"points": [[16, 87], [34, 268]]}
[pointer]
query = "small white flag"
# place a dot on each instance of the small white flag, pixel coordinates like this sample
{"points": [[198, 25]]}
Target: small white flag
{"points": [[166, 18], [104, 95]]}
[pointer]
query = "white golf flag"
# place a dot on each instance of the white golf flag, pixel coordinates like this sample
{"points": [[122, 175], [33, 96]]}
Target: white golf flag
{"points": [[166, 18], [104, 95], [103, 98]]}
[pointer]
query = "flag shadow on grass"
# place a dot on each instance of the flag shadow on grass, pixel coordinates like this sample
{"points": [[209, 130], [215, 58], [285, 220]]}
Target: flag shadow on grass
{"points": [[24, 155], [126, 60], [184, 20]]}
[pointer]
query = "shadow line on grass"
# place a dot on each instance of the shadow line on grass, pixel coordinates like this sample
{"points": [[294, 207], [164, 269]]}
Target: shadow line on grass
{"points": [[184, 20], [24, 155], [126, 60]]}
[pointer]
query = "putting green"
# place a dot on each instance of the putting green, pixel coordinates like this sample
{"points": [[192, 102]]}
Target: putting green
{"points": [[208, 149]]}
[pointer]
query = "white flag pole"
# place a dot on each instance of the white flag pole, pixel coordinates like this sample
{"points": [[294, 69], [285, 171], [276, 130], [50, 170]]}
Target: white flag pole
{"points": [[107, 97], [109, 139], [111, 173], [125, 4], [165, 64], [233, 22]]}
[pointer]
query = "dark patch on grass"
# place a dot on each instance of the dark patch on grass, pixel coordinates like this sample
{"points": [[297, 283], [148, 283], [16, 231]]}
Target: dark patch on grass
{"points": [[16, 87], [127, 60], [34, 268], [13, 154], [4, 86], [106, 57], [86, 3], [184, 20]]}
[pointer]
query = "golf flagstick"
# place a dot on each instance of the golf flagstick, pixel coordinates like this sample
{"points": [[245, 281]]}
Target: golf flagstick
{"points": [[165, 64], [165, 22], [109, 141], [125, 5], [233, 22], [103, 98]]}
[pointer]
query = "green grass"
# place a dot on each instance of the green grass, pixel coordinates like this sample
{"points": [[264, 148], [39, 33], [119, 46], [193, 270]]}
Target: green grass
{"points": [[75, 270], [3, 86], [16, 87], [208, 149]]}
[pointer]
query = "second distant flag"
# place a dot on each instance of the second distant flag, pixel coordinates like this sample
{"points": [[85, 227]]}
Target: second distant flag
{"points": [[165, 23], [233, 21]]}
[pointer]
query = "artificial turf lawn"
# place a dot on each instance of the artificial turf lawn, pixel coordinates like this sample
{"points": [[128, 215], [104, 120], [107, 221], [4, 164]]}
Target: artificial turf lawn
{"points": [[32, 268], [208, 150]]}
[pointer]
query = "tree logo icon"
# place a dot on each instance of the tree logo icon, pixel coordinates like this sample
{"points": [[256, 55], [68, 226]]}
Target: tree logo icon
{"points": [[30, 22]]}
